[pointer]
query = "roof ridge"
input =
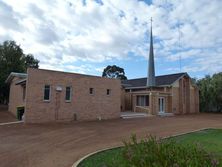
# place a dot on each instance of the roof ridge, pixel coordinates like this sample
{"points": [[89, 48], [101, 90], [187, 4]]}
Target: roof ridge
{"points": [[158, 76], [171, 74]]}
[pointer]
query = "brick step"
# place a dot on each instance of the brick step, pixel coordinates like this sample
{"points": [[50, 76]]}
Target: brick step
{"points": [[134, 115], [165, 114]]}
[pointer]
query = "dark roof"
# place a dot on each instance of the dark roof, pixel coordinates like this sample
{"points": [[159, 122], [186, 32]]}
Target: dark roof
{"points": [[160, 80]]}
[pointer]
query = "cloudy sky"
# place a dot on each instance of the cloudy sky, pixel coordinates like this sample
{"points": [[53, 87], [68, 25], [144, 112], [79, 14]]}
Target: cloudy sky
{"points": [[85, 36]]}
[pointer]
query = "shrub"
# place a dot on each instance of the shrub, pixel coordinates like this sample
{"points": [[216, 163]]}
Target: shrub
{"points": [[168, 153]]}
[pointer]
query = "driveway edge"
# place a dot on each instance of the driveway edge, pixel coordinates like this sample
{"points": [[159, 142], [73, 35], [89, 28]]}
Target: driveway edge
{"points": [[109, 148], [10, 123]]}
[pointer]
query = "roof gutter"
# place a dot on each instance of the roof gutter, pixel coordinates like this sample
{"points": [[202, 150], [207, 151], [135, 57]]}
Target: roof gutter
{"points": [[142, 87]]}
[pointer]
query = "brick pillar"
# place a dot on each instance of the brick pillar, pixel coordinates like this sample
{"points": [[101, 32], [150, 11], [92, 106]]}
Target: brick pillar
{"points": [[153, 103], [166, 104], [169, 104], [156, 102], [134, 103]]}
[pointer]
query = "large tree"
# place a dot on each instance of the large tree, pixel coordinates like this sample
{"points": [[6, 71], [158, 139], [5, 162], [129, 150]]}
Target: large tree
{"points": [[114, 72], [217, 91], [12, 59], [30, 61], [211, 93]]}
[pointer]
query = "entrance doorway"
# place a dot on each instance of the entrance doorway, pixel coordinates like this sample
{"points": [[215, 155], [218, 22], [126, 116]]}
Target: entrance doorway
{"points": [[58, 101], [161, 105]]}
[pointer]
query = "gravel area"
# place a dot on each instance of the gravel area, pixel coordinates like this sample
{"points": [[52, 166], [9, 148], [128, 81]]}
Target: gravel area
{"points": [[61, 144]]}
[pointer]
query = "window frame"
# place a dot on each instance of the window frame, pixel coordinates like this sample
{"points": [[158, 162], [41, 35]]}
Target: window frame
{"points": [[70, 94], [108, 92], [142, 100], [91, 92], [46, 100]]}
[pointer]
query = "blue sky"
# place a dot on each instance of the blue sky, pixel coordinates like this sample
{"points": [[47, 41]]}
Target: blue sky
{"points": [[85, 36]]}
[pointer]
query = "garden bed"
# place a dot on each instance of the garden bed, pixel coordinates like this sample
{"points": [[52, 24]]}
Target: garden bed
{"points": [[207, 140]]}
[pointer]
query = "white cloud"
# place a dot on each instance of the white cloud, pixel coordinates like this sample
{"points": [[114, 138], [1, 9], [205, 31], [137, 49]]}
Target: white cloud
{"points": [[8, 17], [65, 31]]}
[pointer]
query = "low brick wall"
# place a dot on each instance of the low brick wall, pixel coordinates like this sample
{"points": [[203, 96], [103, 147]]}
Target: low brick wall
{"points": [[142, 109]]}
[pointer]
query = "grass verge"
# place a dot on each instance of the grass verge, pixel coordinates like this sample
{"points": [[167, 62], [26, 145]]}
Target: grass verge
{"points": [[210, 140]]}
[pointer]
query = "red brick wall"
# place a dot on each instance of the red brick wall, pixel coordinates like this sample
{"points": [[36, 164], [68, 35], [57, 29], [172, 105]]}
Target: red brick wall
{"points": [[185, 97], [181, 98], [84, 105], [15, 96]]}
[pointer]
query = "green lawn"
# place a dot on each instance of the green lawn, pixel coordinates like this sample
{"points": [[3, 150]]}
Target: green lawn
{"points": [[210, 140], [102, 158]]}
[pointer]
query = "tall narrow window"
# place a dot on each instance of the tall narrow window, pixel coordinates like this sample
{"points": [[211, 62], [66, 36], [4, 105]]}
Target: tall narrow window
{"points": [[91, 91], [47, 93], [68, 93], [107, 91]]}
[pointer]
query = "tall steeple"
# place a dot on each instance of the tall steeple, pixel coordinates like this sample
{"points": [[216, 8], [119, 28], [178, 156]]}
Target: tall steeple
{"points": [[151, 81]]}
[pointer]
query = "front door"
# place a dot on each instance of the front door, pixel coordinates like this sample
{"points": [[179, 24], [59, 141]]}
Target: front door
{"points": [[58, 101], [57, 105], [161, 104]]}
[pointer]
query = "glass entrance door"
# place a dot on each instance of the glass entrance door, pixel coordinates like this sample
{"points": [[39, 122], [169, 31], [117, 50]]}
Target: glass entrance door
{"points": [[161, 104]]}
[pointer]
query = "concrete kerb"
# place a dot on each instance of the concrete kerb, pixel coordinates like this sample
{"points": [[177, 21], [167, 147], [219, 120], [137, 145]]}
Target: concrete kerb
{"points": [[90, 154], [110, 148], [10, 123]]}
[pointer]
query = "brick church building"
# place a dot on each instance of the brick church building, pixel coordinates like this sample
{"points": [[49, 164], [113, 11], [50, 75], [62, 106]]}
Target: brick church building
{"points": [[48, 96]]}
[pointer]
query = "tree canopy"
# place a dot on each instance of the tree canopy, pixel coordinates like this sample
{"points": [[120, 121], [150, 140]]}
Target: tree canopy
{"points": [[114, 72], [211, 93], [12, 59]]}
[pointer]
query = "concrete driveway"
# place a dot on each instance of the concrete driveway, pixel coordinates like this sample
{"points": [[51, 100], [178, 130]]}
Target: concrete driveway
{"points": [[61, 144], [6, 116]]}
